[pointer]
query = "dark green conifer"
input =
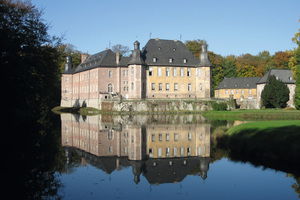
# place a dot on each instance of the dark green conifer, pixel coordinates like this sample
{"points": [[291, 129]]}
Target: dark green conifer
{"points": [[275, 94]]}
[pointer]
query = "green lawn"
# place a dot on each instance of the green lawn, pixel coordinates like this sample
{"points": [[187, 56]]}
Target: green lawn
{"points": [[264, 126], [266, 114], [265, 140]]}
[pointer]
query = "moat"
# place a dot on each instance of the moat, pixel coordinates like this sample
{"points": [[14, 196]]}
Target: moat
{"points": [[161, 156]]}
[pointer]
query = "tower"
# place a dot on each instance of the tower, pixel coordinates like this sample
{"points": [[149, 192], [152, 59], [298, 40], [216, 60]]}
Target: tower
{"points": [[68, 64], [204, 73], [137, 74]]}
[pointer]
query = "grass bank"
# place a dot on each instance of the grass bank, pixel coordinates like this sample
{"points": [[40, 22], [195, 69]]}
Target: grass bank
{"points": [[252, 115], [267, 141]]}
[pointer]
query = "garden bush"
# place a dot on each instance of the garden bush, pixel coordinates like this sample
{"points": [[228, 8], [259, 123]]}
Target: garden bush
{"points": [[219, 106]]}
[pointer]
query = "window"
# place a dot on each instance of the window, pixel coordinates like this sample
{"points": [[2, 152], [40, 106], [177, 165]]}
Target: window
{"points": [[132, 86], [167, 86], [199, 151], [167, 137], [125, 73], [226, 91], [236, 91], [110, 134], [200, 86], [160, 86], [242, 91], [167, 71], [189, 72], [199, 72], [150, 71], [189, 136], [153, 138], [152, 86], [132, 70], [160, 137], [231, 91], [159, 152], [250, 91], [181, 151], [150, 152], [189, 151], [175, 86], [181, 71], [189, 87], [174, 151], [174, 71], [167, 152], [109, 74], [159, 71], [67, 79], [110, 88], [176, 136]]}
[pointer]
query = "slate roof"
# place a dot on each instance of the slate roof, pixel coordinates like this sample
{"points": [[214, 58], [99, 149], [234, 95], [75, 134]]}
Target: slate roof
{"points": [[105, 58], [164, 50], [285, 75], [238, 83], [161, 50]]}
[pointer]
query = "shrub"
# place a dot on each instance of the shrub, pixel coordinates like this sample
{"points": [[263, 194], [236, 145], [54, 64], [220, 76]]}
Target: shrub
{"points": [[219, 106], [275, 94]]}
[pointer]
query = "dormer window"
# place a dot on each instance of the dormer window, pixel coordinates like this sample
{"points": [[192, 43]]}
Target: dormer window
{"points": [[247, 84], [159, 48], [184, 60], [235, 85], [154, 59], [170, 60], [290, 78], [174, 49]]}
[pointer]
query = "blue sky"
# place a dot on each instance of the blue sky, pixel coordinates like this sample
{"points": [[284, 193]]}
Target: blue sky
{"points": [[229, 26]]}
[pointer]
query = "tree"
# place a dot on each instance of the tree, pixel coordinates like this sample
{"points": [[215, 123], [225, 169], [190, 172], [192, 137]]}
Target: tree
{"points": [[281, 60], [296, 69], [31, 87], [229, 66], [123, 50], [195, 46], [275, 93]]}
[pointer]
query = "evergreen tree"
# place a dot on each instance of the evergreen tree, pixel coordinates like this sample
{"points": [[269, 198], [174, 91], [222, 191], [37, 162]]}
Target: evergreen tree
{"points": [[275, 94]]}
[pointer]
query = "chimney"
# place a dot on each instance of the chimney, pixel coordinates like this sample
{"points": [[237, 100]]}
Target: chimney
{"points": [[83, 57], [117, 58]]}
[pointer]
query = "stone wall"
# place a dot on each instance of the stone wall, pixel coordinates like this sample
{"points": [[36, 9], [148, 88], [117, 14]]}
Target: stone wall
{"points": [[158, 106]]}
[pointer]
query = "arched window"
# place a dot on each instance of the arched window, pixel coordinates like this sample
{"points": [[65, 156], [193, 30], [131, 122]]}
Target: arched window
{"points": [[110, 88]]}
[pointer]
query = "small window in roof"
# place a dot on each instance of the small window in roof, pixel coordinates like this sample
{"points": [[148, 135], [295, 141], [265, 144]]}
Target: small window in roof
{"points": [[174, 49], [154, 59], [184, 60], [291, 78], [247, 84], [170, 60], [235, 85], [159, 48]]}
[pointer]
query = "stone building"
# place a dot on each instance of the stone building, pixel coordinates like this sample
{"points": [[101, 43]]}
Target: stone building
{"points": [[247, 91], [164, 69]]}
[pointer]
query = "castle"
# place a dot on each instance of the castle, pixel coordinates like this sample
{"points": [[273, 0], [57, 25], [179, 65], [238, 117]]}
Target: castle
{"points": [[164, 69]]}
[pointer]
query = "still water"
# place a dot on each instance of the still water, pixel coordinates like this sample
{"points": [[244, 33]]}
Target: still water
{"points": [[159, 156]]}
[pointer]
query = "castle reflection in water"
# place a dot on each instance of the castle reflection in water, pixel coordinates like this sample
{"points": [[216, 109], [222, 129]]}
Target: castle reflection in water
{"points": [[164, 148]]}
